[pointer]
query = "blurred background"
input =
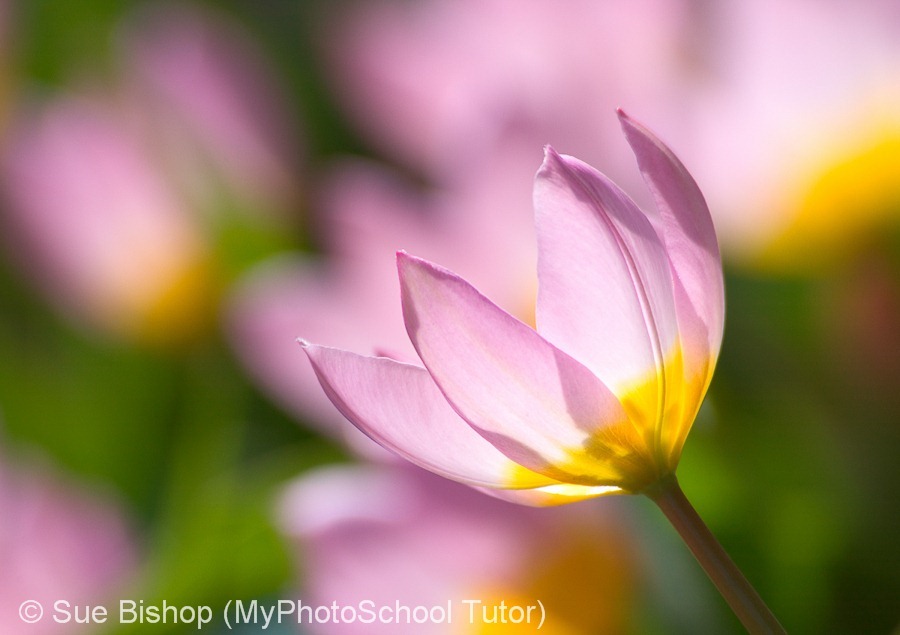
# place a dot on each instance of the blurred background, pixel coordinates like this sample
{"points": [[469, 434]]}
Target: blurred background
{"points": [[187, 187]]}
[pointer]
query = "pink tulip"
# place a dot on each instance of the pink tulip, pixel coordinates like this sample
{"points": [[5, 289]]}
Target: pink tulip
{"points": [[113, 202], [96, 222], [600, 398], [398, 535], [57, 543]]}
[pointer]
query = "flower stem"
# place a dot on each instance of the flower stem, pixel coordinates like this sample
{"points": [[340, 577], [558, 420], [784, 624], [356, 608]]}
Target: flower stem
{"points": [[731, 583]]}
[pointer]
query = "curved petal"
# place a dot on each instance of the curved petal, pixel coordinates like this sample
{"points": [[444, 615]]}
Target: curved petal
{"points": [[400, 407], [693, 252], [690, 240], [605, 291], [532, 401]]}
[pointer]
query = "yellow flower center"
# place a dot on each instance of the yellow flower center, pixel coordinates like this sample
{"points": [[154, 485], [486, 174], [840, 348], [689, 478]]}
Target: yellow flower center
{"points": [[636, 452]]}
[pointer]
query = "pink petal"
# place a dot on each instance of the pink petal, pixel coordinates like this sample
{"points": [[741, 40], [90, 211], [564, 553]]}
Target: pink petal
{"points": [[400, 407], [690, 240], [696, 273], [531, 400], [605, 291]]}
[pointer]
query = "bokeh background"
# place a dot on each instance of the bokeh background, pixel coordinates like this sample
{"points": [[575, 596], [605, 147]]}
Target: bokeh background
{"points": [[185, 188]]}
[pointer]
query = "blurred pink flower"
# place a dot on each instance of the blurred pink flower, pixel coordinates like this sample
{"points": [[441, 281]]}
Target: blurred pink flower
{"points": [[95, 222], [119, 205], [400, 535], [803, 88], [57, 542], [212, 104], [600, 399], [442, 83]]}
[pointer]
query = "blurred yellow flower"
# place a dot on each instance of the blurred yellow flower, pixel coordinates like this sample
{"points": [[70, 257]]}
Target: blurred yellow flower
{"points": [[852, 192]]}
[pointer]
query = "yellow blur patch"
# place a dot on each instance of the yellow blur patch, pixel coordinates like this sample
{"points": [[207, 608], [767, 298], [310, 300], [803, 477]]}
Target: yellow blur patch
{"points": [[505, 612], [856, 192], [584, 584], [176, 307]]}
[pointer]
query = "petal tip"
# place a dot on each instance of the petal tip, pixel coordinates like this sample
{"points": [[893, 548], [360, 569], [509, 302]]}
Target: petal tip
{"points": [[404, 260], [552, 159], [313, 351], [406, 264], [409, 264], [629, 125]]}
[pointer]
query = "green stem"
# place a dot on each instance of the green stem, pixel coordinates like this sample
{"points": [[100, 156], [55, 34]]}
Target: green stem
{"points": [[731, 583]]}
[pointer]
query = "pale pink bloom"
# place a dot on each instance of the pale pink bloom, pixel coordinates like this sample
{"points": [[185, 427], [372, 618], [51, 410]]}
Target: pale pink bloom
{"points": [[211, 104], [400, 535], [94, 221], [58, 542], [440, 83], [477, 227], [801, 87], [600, 398], [113, 203]]}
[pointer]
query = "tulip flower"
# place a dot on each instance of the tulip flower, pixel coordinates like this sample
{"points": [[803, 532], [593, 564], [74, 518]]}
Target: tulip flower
{"points": [[598, 399], [108, 239], [58, 541], [133, 234], [396, 534]]}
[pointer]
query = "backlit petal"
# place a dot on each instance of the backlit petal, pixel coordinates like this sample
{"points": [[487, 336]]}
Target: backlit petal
{"points": [[531, 400], [690, 241], [605, 289], [693, 251], [400, 407]]}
